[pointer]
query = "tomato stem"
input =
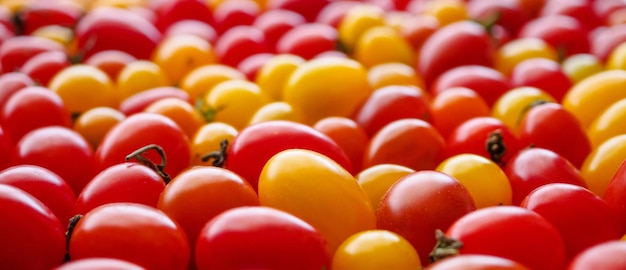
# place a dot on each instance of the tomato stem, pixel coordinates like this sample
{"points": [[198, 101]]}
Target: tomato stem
{"points": [[68, 234], [445, 247], [158, 168], [218, 156], [495, 146], [530, 106]]}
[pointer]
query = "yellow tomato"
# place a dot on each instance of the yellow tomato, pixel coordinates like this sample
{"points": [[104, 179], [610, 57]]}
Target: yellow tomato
{"points": [[602, 162], [608, 124], [393, 74], [383, 44], [178, 55], [208, 138], [200, 80], [356, 21], [277, 110], [316, 189], [518, 50], [328, 86], [512, 105], [273, 75], [180, 111], [96, 122], [446, 11], [60, 34], [82, 87], [377, 179], [580, 66], [591, 96], [139, 76], [617, 58], [235, 102], [375, 250], [483, 178]]}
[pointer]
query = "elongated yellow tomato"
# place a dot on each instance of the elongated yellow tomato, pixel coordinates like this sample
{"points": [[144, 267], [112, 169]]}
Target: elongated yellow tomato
{"points": [[387, 74], [200, 80], [275, 72], [483, 178], [139, 76], [591, 96], [178, 55], [377, 179], [608, 124], [316, 189], [328, 86], [512, 105], [82, 87], [356, 21], [580, 66], [383, 44], [235, 102], [516, 51], [602, 162], [375, 250]]}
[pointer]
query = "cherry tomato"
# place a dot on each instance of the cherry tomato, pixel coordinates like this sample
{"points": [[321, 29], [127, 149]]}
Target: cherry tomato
{"points": [[188, 118], [293, 178], [42, 67], [511, 107], [6, 146], [11, 83], [511, 15], [581, 66], [127, 231], [602, 162], [520, 49], [232, 13], [383, 44], [583, 11], [100, 263], [562, 32], [208, 139], [307, 40], [192, 27], [260, 237], [487, 82], [139, 76], [356, 21], [170, 12], [276, 22], [96, 122], [15, 51], [544, 74], [29, 221], [235, 102], [333, 13], [348, 135], [605, 40], [38, 14], [110, 61], [277, 110], [308, 8], [376, 249], [582, 218], [275, 72], [377, 179], [387, 74], [534, 167], [139, 101], [239, 42], [595, 257], [510, 232], [476, 262], [200, 80], [420, 203], [71, 82], [178, 55], [251, 65], [454, 106], [447, 11], [614, 195]]}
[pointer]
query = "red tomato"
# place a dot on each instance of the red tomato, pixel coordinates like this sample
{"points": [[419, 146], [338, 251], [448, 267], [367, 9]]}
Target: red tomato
{"points": [[489, 83], [193, 27], [99, 263], [510, 14], [420, 203], [45, 185], [476, 262], [605, 40], [110, 61], [534, 167], [275, 23], [42, 67], [59, 149], [552, 127], [256, 144], [127, 231], [229, 14], [139, 130], [42, 13], [349, 135], [509, 232], [169, 12], [410, 142], [253, 63], [307, 8], [417, 29], [448, 47], [564, 33], [333, 12], [582, 10], [12, 82], [615, 194], [308, 40], [35, 238], [6, 146], [582, 218], [139, 101], [124, 182], [14, 52], [595, 257], [544, 74], [31, 108], [261, 238], [239, 42], [486, 136]]}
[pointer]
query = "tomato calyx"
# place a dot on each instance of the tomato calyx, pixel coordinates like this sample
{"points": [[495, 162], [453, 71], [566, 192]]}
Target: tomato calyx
{"points": [[445, 247], [158, 168], [208, 113], [495, 146], [68, 234], [530, 106], [218, 156]]}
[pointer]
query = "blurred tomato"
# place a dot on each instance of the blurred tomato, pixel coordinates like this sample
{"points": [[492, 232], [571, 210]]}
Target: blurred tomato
{"points": [[239, 42], [602, 163], [232, 13], [275, 23], [15, 51], [200, 29], [615, 194], [110, 61], [348, 135], [376, 249], [275, 72], [383, 44], [387, 74], [42, 67], [169, 12], [476, 262], [139, 101], [580, 66], [188, 118], [208, 139], [520, 49], [564, 33], [139, 76], [12, 82], [487, 82], [544, 74], [178, 55], [356, 21], [199, 81], [454, 106], [71, 82], [511, 107], [594, 256], [308, 40], [96, 122]]}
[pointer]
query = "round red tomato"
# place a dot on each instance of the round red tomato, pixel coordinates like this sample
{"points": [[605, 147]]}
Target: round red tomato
{"points": [[487, 82], [239, 42], [308, 40], [545, 74], [11, 83], [595, 257], [615, 194], [139, 101], [15, 51]]}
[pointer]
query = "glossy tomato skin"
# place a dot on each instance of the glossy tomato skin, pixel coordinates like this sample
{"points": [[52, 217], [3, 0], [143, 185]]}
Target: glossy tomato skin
{"points": [[42, 67], [275, 23], [15, 51], [59, 149], [582, 218], [510, 232], [40, 14], [124, 182], [99, 263], [349, 135], [169, 12], [37, 238], [12, 82], [239, 42], [260, 237], [595, 257], [544, 74], [489, 83], [308, 40], [143, 129], [476, 262], [256, 144], [420, 203], [139, 101], [561, 31], [615, 194], [6, 146], [127, 231]]}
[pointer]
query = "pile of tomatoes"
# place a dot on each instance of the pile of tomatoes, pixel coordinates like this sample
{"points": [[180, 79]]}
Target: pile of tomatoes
{"points": [[313, 134]]}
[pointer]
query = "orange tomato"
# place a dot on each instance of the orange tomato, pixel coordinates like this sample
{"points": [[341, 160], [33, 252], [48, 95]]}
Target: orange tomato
{"points": [[96, 122], [348, 135], [387, 74], [183, 113], [200, 80], [454, 106], [178, 55]]}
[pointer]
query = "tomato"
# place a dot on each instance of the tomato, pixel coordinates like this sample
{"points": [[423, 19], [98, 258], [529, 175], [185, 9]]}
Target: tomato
{"points": [[511, 107], [104, 263], [447, 11], [562, 32], [519, 234], [238, 43], [254, 145], [6, 146], [441, 51], [232, 13], [476, 262], [70, 85], [29, 222], [277, 110], [383, 44], [31, 108], [454, 106], [356, 21], [170, 12], [594, 257], [387, 74], [260, 237], [200, 29], [534, 167], [178, 55], [602, 162], [251, 65], [273, 75], [308, 8], [377, 179], [293, 178], [139, 101], [200, 80], [184, 114], [11, 83], [487, 82], [333, 13], [552, 127], [208, 139], [96, 122], [60, 150], [139, 130], [581, 66], [605, 40], [391, 103], [582, 218], [36, 15], [544, 74], [420, 203], [126, 231], [583, 11], [349, 135], [614, 195], [276, 22], [520, 49], [199, 194], [510, 14], [110, 61], [42, 67], [376, 249], [234, 102], [139, 76], [417, 29], [15, 51], [316, 84], [307, 40]]}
